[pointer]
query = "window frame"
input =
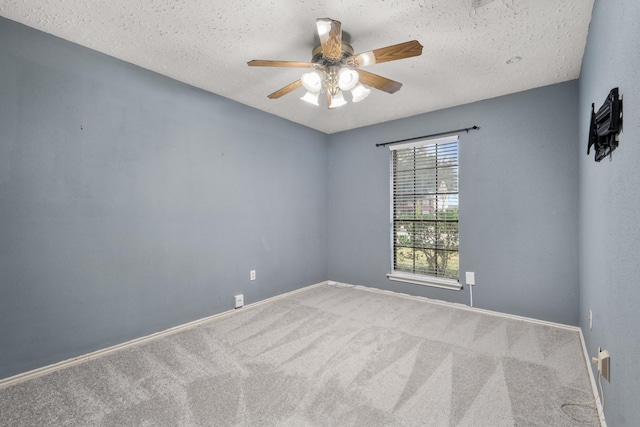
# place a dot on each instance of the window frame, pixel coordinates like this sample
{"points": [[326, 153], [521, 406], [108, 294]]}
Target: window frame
{"points": [[402, 276]]}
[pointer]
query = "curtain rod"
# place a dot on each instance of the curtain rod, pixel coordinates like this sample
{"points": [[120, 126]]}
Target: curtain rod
{"points": [[383, 144]]}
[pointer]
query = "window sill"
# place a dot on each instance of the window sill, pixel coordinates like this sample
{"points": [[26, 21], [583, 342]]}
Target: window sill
{"points": [[435, 282]]}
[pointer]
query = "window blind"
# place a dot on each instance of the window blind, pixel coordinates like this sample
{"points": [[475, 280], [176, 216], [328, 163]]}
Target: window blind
{"points": [[425, 208]]}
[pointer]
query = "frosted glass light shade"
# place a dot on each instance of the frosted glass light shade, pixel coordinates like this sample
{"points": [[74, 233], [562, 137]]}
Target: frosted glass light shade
{"points": [[359, 92], [312, 81], [337, 100], [311, 97]]}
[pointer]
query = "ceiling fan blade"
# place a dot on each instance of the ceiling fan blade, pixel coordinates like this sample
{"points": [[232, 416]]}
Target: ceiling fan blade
{"points": [[330, 33], [266, 63], [379, 82], [386, 54], [285, 90]]}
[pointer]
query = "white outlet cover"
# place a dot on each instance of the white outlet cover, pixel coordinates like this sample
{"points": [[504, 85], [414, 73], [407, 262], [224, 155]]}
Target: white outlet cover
{"points": [[470, 277], [239, 301]]}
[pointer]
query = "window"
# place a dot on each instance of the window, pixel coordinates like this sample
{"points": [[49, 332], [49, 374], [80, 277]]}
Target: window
{"points": [[424, 211]]}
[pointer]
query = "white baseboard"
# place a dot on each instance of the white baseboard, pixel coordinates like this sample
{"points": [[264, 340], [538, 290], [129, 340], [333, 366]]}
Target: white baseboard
{"points": [[594, 386], [460, 306], [99, 353]]}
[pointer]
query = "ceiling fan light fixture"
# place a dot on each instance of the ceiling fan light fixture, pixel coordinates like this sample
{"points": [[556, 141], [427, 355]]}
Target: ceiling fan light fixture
{"points": [[347, 78], [311, 97], [335, 69], [312, 81], [337, 100], [359, 92]]}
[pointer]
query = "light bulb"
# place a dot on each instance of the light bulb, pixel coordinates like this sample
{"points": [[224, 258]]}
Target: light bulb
{"points": [[347, 78]]}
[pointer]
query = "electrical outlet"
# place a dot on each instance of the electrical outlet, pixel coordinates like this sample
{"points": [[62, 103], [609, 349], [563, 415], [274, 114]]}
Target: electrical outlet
{"points": [[239, 300], [252, 275], [604, 363], [470, 278]]}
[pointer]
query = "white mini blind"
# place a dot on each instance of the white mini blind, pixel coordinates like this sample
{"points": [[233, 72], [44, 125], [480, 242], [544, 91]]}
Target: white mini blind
{"points": [[425, 207]]}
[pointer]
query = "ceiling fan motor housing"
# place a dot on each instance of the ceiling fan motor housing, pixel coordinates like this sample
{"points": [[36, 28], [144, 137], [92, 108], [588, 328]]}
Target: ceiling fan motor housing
{"points": [[317, 57]]}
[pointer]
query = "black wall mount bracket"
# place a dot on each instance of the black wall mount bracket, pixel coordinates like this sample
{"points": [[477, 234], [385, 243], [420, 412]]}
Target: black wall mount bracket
{"points": [[605, 126]]}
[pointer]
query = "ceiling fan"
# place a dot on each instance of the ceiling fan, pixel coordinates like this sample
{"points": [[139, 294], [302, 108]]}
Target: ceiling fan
{"points": [[336, 69]]}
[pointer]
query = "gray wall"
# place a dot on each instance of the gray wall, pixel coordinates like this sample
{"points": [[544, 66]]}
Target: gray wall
{"points": [[518, 202], [131, 203], [609, 207]]}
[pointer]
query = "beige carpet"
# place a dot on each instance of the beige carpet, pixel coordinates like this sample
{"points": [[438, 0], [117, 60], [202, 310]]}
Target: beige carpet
{"points": [[326, 356]]}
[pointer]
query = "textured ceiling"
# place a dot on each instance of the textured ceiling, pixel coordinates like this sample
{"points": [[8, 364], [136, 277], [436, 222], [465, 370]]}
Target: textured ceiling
{"points": [[207, 43]]}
